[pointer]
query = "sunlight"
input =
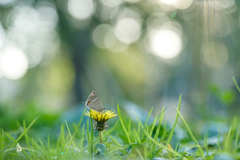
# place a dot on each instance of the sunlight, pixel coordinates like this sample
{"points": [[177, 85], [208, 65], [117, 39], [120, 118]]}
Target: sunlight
{"points": [[165, 43], [169, 2], [129, 33], [81, 9], [13, 63]]}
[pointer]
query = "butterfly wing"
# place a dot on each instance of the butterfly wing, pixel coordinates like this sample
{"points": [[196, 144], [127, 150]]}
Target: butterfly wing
{"points": [[94, 102]]}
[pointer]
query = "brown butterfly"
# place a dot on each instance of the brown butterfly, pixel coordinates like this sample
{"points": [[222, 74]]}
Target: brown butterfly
{"points": [[94, 102]]}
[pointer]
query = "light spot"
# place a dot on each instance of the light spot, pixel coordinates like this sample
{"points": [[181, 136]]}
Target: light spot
{"points": [[99, 33], [165, 43], [81, 9], [128, 30], [215, 54], [13, 63], [169, 2], [112, 43], [111, 3], [183, 4]]}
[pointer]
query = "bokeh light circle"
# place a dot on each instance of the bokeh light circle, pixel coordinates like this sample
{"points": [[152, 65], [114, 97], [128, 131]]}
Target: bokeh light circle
{"points": [[169, 2], [215, 54], [165, 43], [13, 63], [128, 30], [81, 9]]}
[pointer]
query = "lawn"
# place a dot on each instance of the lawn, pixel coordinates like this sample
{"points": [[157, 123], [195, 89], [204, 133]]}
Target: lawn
{"points": [[124, 139]]}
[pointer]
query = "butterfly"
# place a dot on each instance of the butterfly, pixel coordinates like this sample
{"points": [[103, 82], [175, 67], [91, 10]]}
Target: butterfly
{"points": [[94, 102]]}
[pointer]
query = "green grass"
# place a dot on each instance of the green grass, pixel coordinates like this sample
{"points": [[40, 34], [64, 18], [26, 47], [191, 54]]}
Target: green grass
{"points": [[125, 140]]}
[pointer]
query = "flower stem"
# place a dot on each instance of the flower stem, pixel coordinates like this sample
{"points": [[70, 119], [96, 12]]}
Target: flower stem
{"points": [[100, 136]]}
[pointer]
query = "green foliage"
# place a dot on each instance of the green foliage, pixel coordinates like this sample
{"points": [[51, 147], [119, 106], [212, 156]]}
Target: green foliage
{"points": [[132, 140], [83, 143]]}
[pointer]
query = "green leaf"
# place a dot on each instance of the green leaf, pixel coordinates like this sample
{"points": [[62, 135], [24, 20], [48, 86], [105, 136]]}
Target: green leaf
{"points": [[100, 146], [123, 126]]}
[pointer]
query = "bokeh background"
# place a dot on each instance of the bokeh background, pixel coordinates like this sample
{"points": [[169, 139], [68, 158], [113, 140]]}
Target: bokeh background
{"points": [[135, 53]]}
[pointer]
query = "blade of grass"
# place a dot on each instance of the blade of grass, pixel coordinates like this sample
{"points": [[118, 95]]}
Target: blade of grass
{"points": [[153, 125], [115, 141], [49, 147], [137, 136], [45, 150], [140, 155], [106, 137], [58, 146], [206, 144], [62, 138], [158, 128], [70, 141], [123, 126], [129, 127], [146, 122], [26, 137], [34, 148], [21, 135], [219, 148], [164, 131], [176, 119], [190, 132], [159, 124], [149, 114], [35, 144], [161, 145], [15, 142], [89, 139], [139, 128], [2, 144], [236, 84], [236, 140], [92, 135], [79, 123], [227, 142], [82, 140]]}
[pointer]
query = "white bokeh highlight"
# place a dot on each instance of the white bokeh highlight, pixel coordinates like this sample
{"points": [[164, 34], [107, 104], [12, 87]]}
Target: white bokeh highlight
{"points": [[13, 63], [128, 30], [165, 43], [81, 9]]}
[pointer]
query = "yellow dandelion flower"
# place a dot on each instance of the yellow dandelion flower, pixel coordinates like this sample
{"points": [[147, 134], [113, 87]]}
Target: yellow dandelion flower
{"points": [[101, 116]]}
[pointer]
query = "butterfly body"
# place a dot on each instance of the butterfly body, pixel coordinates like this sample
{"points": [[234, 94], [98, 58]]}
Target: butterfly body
{"points": [[94, 102]]}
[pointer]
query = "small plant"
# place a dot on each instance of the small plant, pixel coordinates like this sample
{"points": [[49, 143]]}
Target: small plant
{"points": [[100, 120], [129, 140]]}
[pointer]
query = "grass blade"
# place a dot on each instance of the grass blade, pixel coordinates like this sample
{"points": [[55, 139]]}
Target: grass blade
{"points": [[158, 127], [92, 135], [161, 145], [159, 124], [236, 140], [190, 132], [15, 142], [236, 84], [123, 126], [153, 125], [227, 142], [175, 123], [82, 140], [2, 144], [115, 141], [26, 136], [150, 112], [24, 132], [110, 131], [79, 123], [137, 136]]}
